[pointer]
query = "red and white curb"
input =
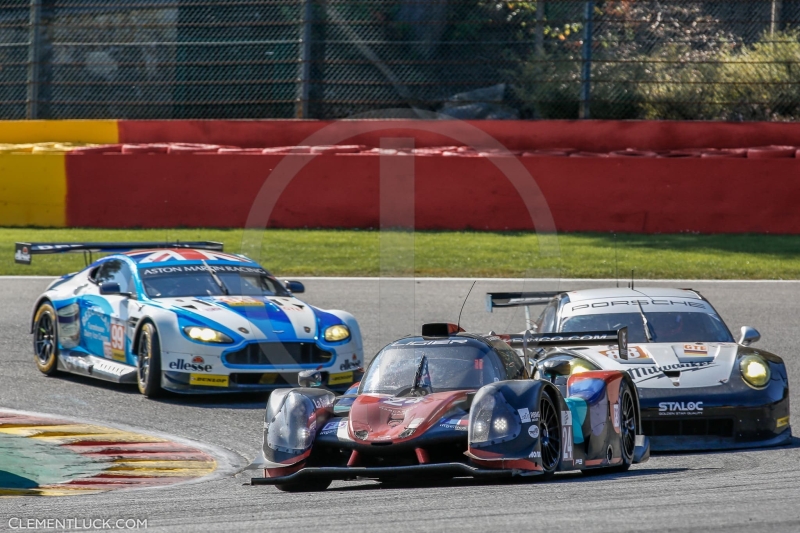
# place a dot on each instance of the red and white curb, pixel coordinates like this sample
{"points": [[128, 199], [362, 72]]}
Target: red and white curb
{"points": [[121, 457]]}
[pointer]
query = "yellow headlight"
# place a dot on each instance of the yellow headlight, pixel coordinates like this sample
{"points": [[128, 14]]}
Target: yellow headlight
{"points": [[337, 333], [207, 335], [755, 370], [577, 366]]}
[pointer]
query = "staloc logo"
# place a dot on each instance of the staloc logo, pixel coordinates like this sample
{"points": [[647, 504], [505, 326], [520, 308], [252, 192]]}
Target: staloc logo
{"points": [[680, 407], [180, 364]]}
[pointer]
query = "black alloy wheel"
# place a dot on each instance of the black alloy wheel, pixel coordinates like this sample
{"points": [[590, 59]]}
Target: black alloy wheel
{"points": [[45, 340], [550, 430]]}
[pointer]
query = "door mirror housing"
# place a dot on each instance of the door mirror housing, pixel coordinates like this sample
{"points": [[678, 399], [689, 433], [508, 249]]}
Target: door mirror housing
{"points": [[295, 286], [749, 336], [112, 287], [309, 378], [556, 367]]}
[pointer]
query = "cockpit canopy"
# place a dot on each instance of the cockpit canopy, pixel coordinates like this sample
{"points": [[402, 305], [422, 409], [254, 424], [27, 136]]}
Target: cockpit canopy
{"points": [[420, 365]]}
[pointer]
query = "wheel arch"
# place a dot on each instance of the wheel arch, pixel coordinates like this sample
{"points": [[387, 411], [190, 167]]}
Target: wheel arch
{"points": [[139, 325], [41, 300], [635, 391]]}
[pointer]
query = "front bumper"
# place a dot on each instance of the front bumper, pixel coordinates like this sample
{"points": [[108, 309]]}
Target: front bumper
{"points": [[186, 383], [730, 416], [414, 472]]}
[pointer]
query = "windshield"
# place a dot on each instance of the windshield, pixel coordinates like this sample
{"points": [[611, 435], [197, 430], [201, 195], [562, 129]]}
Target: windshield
{"points": [[196, 280], [400, 369], [666, 326]]}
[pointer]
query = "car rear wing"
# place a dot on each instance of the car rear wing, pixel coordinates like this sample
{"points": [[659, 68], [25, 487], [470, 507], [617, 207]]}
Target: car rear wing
{"points": [[23, 251], [527, 340], [519, 299]]}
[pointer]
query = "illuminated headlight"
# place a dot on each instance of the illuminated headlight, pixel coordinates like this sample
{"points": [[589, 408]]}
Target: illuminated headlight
{"points": [[500, 425], [337, 333], [492, 420], [577, 366], [755, 370], [292, 429], [201, 334]]}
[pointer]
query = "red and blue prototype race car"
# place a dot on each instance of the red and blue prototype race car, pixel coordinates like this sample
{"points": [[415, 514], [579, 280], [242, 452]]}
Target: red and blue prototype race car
{"points": [[449, 404], [185, 318]]}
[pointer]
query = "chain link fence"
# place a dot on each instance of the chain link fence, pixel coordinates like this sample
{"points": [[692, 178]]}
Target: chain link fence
{"points": [[326, 59]]}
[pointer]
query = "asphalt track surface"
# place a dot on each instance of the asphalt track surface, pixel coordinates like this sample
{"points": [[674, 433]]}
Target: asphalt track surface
{"points": [[733, 491]]}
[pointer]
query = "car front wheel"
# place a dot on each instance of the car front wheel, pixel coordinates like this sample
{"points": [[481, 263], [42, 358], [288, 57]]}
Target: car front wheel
{"points": [[148, 362], [45, 339]]}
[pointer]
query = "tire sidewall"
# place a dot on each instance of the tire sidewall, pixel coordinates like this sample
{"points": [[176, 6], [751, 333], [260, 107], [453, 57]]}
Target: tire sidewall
{"points": [[152, 386], [627, 461], [546, 397], [52, 366]]}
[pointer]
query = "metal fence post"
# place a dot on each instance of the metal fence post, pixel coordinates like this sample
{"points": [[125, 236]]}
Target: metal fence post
{"points": [[586, 70], [304, 74], [34, 60]]}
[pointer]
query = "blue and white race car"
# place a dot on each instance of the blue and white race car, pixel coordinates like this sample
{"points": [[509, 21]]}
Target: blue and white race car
{"points": [[186, 318]]}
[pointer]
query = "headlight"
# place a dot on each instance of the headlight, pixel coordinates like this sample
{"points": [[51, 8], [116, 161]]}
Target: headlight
{"points": [[292, 429], [578, 365], [201, 334], [755, 370], [337, 333], [493, 420]]}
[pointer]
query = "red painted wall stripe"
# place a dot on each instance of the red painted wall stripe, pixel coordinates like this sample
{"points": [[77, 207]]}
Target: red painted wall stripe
{"points": [[341, 191], [590, 135]]}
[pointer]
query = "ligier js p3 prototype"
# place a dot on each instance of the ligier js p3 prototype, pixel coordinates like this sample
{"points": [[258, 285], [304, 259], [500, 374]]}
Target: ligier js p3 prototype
{"points": [[449, 404], [186, 318], [699, 389]]}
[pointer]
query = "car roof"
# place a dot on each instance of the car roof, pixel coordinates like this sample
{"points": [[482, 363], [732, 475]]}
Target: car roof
{"points": [[621, 292], [173, 256]]}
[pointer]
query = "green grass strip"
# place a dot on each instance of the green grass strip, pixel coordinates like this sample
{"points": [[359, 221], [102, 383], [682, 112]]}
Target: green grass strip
{"points": [[456, 254]]}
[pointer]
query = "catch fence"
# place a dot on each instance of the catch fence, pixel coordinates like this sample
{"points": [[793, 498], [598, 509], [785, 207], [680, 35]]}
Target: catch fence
{"points": [[469, 59]]}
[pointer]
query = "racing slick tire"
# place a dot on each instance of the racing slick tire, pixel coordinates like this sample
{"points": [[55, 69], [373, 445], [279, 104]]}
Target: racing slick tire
{"points": [[627, 428], [306, 486], [45, 339], [550, 429], [148, 362]]}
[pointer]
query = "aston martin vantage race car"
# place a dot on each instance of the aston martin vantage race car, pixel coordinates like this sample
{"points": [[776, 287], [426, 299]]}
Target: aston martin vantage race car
{"points": [[449, 404], [185, 318], [699, 389]]}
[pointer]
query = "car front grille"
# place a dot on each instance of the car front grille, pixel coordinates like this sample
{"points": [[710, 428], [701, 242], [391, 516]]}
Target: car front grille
{"points": [[719, 427], [279, 354]]}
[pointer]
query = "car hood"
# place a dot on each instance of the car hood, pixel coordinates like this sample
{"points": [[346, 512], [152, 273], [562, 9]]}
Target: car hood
{"points": [[388, 419], [252, 317], [672, 365]]}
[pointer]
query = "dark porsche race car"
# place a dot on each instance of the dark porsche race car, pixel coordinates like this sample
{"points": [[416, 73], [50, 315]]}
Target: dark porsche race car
{"points": [[449, 404], [699, 388]]}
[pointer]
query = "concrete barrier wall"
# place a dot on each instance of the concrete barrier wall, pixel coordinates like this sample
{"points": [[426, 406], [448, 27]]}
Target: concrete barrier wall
{"points": [[590, 136], [177, 185], [645, 195]]}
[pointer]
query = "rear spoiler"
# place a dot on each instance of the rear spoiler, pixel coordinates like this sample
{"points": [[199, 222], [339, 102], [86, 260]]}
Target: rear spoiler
{"points": [[581, 338], [24, 250], [518, 299]]}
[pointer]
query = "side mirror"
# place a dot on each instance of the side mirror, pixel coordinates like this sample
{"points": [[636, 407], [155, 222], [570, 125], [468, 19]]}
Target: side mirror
{"points": [[110, 287], [556, 367], [309, 378], [295, 286], [749, 336]]}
